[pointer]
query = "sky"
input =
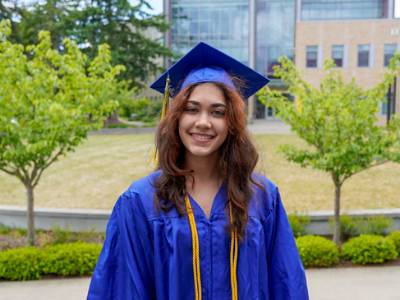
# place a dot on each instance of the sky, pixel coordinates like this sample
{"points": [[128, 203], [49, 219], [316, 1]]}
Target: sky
{"points": [[156, 4], [396, 8]]}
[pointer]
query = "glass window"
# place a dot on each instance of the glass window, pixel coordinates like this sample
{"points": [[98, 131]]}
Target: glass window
{"points": [[338, 55], [363, 55], [388, 51], [222, 24], [343, 9], [311, 56], [275, 33], [384, 108], [397, 8]]}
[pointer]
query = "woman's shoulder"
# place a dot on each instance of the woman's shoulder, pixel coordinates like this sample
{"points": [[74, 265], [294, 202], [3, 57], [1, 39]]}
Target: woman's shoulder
{"points": [[140, 195], [267, 186], [145, 184], [267, 183], [265, 196]]}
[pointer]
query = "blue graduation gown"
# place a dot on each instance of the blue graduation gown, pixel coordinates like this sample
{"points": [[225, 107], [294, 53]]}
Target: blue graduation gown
{"points": [[148, 255]]}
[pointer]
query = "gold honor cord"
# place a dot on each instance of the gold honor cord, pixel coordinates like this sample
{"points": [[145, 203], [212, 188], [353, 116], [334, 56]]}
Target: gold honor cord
{"points": [[195, 250], [196, 254], [233, 258]]}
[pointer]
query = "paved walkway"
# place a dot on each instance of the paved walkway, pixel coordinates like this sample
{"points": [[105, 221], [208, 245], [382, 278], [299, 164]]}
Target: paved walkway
{"points": [[364, 283], [269, 126], [257, 127]]}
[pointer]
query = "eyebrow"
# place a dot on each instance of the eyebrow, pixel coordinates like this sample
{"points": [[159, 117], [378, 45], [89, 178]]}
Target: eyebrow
{"points": [[218, 104]]}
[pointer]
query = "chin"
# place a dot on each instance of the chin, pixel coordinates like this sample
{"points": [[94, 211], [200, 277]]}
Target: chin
{"points": [[194, 151]]}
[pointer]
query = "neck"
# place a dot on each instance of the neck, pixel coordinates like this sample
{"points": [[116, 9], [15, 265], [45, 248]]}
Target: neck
{"points": [[204, 168]]}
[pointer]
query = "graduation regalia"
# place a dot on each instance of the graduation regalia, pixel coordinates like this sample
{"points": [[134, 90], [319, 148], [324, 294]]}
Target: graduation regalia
{"points": [[152, 254], [147, 254]]}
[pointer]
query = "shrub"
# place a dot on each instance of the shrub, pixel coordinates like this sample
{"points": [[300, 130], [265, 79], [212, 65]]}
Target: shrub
{"points": [[21, 264], [118, 125], [61, 236], [64, 260], [71, 259], [298, 224], [316, 251], [142, 109], [352, 226], [369, 249], [13, 238], [10, 242], [395, 238], [4, 229]]}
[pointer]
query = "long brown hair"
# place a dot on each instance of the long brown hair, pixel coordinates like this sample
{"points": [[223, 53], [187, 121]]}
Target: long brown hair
{"points": [[238, 158]]}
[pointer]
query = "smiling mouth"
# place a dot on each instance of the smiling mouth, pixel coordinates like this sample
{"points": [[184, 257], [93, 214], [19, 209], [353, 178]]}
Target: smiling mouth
{"points": [[202, 137]]}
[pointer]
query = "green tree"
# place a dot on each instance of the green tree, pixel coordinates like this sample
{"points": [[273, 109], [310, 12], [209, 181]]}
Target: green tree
{"points": [[128, 29], [338, 121], [6, 9], [54, 16], [135, 36], [48, 104]]}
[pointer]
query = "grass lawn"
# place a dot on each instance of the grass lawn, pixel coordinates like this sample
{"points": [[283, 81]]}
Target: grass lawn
{"points": [[105, 165]]}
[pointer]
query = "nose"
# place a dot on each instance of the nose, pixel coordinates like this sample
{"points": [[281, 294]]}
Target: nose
{"points": [[203, 120]]}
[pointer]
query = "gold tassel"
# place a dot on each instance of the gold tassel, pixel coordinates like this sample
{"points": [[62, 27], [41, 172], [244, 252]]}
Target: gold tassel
{"points": [[163, 112], [166, 99]]}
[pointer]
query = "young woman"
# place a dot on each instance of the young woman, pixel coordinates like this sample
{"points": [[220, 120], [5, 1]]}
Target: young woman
{"points": [[204, 225]]}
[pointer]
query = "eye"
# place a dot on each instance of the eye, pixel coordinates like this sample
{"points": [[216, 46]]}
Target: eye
{"points": [[219, 113], [191, 109]]}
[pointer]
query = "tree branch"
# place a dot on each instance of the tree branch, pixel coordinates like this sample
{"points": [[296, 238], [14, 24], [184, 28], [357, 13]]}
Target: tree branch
{"points": [[39, 171], [4, 169], [366, 168]]}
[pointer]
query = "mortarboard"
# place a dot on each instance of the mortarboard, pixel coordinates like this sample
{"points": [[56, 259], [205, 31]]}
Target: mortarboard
{"points": [[206, 64]]}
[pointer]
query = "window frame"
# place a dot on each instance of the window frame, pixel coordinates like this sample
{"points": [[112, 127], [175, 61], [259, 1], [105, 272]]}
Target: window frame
{"points": [[313, 65], [342, 52], [359, 53]]}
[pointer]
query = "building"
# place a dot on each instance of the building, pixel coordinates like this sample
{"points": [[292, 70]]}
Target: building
{"points": [[360, 35]]}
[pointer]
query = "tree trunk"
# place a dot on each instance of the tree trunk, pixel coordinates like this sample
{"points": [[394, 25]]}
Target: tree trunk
{"points": [[336, 232], [30, 217], [112, 119]]}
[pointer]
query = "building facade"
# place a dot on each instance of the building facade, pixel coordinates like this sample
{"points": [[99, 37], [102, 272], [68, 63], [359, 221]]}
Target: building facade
{"points": [[359, 35]]}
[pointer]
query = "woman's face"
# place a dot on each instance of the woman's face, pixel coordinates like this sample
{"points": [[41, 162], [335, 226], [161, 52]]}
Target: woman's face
{"points": [[203, 126]]}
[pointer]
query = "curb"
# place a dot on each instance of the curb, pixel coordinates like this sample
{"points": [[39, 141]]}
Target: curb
{"points": [[96, 219]]}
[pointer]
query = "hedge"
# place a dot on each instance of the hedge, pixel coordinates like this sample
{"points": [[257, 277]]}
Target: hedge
{"points": [[21, 263], [352, 226], [298, 224], [316, 251], [369, 249], [395, 238], [64, 260], [79, 258]]}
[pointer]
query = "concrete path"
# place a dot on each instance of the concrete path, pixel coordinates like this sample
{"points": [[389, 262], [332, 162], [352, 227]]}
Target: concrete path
{"points": [[364, 283], [358, 283], [257, 127], [269, 127]]}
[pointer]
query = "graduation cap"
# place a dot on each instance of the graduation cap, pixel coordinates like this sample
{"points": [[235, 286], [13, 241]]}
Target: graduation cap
{"points": [[206, 64]]}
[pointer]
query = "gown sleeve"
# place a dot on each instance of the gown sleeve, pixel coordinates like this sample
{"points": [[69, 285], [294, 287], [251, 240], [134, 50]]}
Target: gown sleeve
{"points": [[287, 280], [124, 268]]}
